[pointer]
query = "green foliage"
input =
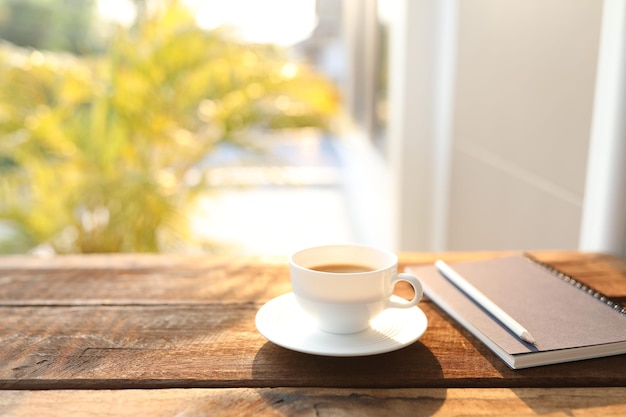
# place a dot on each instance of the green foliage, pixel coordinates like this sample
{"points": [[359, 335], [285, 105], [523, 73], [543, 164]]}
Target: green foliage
{"points": [[100, 153]]}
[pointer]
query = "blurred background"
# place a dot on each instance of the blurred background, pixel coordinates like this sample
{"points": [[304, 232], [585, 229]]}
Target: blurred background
{"points": [[245, 126]]}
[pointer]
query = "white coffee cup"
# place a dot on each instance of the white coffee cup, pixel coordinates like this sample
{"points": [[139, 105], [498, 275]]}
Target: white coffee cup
{"points": [[344, 302]]}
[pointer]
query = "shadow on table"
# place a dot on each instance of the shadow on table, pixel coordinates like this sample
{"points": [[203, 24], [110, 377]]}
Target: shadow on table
{"points": [[350, 385]]}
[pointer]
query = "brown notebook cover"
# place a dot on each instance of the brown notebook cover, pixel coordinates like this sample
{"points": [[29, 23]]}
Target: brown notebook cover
{"points": [[569, 321]]}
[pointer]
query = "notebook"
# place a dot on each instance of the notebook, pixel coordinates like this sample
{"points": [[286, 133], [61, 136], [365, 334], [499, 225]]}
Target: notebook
{"points": [[568, 320]]}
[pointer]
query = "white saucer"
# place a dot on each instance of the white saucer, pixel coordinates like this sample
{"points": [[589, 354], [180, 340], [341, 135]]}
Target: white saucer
{"points": [[283, 322]]}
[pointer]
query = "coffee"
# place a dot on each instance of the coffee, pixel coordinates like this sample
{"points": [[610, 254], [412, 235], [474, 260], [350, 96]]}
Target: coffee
{"points": [[343, 287], [342, 268]]}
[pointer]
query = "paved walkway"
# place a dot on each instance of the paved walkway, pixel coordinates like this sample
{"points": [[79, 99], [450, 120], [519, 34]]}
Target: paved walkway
{"points": [[275, 202]]}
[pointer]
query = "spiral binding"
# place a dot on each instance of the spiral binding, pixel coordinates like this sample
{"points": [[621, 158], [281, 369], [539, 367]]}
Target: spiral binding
{"points": [[572, 281]]}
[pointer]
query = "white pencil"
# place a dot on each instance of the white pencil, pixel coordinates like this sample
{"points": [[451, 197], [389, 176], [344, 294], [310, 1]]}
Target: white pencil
{"points": [[485, 302]]}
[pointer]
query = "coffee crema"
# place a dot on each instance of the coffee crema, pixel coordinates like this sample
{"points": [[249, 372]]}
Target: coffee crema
{"points": [[342, 268]]}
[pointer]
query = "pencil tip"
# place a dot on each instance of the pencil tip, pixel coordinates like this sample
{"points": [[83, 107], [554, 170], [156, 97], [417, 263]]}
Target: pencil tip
{"points": [[527, 337]]}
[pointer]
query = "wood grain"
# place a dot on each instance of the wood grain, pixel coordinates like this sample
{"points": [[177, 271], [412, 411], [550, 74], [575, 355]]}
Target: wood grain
{"points": [[112, 347], [175, 279], [148, 279], [555, 402], [146, 321]]}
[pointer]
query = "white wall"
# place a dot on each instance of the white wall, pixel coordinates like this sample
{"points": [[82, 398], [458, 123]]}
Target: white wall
{"points": [[524, 105], [603, 226], [519, 122], [421, 70]]}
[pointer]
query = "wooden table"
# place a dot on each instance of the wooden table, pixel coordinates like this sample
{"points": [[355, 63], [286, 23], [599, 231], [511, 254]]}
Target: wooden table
{"points": [[131, 335]]}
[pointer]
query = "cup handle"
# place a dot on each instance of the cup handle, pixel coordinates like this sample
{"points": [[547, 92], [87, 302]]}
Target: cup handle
{"points": [[417, 288]]}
